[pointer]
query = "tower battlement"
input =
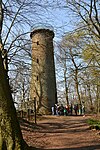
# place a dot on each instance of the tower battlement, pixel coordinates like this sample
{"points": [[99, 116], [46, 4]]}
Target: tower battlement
{"points": [[42, 28]]}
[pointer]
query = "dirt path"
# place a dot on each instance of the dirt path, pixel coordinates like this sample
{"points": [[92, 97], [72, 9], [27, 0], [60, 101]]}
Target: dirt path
{"points": [[61, 133]]}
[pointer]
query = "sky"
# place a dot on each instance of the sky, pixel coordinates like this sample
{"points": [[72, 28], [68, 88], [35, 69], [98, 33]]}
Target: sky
{"points": [[53, 13], [58, 16]]}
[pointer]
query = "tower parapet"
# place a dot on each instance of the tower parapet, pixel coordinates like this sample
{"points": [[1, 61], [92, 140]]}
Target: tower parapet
{"points": [[39, 27]]}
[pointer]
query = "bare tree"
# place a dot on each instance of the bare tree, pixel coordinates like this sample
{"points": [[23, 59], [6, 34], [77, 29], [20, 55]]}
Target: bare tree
{"points": [[15, 17], [88, 13], [70, 56]]}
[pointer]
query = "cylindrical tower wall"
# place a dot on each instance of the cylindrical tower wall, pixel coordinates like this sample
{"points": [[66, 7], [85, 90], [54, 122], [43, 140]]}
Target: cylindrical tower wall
{"points": [[43, 84]]}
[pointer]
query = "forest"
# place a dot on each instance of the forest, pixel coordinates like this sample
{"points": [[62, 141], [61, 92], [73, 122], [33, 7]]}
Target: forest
{"points": [[76, 52]]}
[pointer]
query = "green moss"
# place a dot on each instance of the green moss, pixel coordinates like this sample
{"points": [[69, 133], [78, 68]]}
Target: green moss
{"points": [[94, 124]]}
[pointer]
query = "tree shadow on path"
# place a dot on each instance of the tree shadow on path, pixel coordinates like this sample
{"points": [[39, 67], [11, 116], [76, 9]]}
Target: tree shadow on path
{"points": [[92, 147], [49, 128]]}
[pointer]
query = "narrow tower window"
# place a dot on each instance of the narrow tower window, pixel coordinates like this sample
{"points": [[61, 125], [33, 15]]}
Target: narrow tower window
{"points": [[37, 78], [37, 42], [37, 60]]}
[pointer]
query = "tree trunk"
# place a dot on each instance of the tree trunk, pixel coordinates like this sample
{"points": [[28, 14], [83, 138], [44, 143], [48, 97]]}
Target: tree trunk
{"points": [[90, 97], [66, 87], [76, 77], [10, 133], [77, 90], [98, 97], [77, 86]]}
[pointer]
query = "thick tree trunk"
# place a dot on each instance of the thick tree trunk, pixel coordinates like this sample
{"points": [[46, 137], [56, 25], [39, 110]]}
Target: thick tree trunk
{"points": [[10, 133]]}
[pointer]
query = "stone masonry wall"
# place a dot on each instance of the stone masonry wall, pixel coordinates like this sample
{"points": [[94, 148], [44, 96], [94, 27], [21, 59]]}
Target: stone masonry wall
{"points": [[43, 83]]}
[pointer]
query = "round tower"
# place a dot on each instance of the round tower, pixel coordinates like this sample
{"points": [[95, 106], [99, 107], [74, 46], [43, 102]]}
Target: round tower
{"points": [[43, 81]]}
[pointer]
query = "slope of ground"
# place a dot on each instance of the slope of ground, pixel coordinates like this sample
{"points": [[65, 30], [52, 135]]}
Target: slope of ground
{"points": [[61, 133]]}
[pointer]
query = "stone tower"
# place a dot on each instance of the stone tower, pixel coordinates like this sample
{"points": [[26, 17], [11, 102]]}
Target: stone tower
{"points": [[43, 82]]}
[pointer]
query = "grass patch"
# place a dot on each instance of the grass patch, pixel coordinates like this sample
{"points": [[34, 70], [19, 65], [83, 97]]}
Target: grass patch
{"points": [[94, 124]]}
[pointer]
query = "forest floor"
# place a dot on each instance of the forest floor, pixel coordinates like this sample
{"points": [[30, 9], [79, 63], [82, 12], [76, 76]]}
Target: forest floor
{"points": [[61, 133]]}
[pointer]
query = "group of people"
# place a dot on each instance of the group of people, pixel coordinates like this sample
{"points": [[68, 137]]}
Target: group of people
{"points": [[68, 109]]}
